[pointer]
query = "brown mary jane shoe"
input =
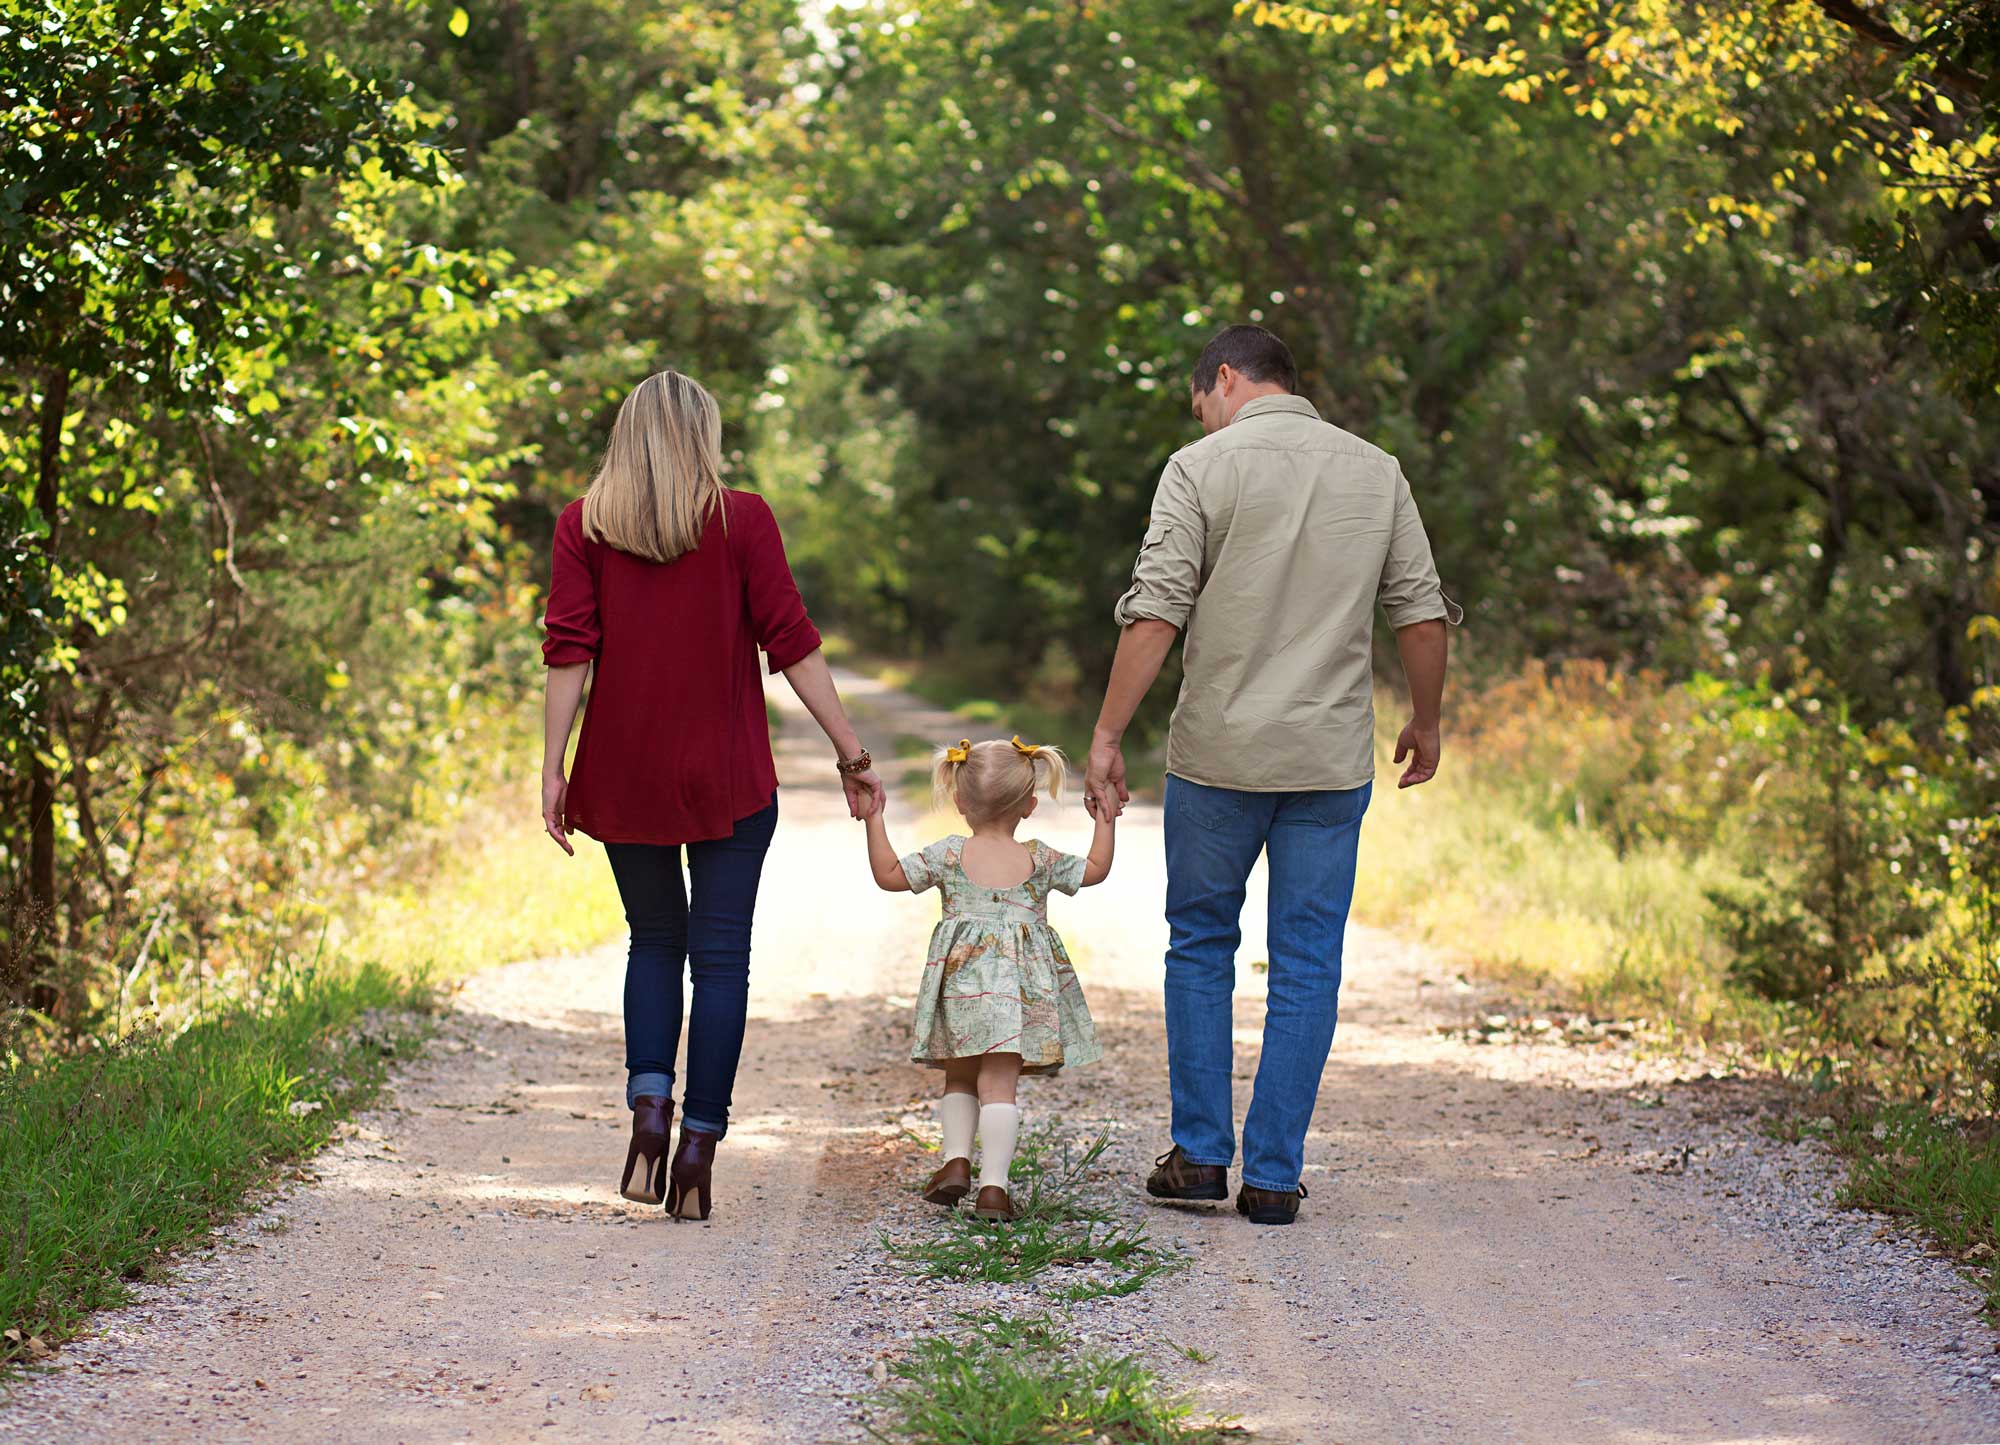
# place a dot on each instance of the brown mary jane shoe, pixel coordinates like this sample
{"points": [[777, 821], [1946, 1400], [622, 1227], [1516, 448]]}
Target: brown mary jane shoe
{"points": [[950, 1184], [645, 1178], [994, 1205]]}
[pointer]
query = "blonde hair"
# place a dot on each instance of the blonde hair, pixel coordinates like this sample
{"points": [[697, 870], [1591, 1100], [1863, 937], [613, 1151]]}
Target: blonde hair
{"points": [[661, 477], [991, 779]]}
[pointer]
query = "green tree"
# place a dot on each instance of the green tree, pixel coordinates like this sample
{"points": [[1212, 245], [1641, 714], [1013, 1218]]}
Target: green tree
{"points": [[147, 140]]}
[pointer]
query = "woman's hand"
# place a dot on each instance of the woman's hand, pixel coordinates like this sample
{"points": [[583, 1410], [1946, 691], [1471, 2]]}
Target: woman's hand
{"points": [[865, 793], [555, 793]]}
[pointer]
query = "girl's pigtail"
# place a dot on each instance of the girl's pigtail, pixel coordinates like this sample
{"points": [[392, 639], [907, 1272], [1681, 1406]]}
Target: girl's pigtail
{"points": [[944, 772], [1052, 767]]}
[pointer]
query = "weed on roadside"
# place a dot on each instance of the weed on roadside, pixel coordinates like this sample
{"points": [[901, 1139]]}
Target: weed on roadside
{"points": [[1054, 1226], [1007, 1381], [1943, 1175]]}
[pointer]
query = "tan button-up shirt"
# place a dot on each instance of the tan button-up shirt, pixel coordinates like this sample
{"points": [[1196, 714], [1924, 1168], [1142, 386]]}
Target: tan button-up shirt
{"points": [[1270, 542]]}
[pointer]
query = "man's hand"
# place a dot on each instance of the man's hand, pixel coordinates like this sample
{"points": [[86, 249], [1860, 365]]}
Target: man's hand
{"points": [[865, 794], [1422, 747], [1104, 794]]}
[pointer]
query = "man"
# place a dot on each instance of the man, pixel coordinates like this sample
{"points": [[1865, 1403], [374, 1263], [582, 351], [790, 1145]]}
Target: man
{"points": [[1270, 542]]}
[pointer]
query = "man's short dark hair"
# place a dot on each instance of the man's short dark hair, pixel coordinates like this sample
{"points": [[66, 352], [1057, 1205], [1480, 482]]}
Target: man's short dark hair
{"points": [[1251, 350]]}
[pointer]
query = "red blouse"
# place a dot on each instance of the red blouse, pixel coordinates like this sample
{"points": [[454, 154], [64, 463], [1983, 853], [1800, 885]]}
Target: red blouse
{"points": [[675, 745]]}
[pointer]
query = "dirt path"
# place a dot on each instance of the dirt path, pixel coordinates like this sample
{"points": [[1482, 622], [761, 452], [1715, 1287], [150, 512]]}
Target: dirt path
{"points": [[1506, 1242]]}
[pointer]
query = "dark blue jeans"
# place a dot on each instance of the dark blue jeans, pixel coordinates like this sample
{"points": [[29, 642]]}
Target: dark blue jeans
{"points": [[1213, 838], [708, 936]]}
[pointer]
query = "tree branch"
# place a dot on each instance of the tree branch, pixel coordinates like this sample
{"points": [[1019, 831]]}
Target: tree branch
{"points": [[1870, 26]]}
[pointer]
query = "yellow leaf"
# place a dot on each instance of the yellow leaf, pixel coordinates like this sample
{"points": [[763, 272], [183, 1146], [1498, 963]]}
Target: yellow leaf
{"points": [[1943, 103], [1497, 22], [460, 21], [1376, 78]]}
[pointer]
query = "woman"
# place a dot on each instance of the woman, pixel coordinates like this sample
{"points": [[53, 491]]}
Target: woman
{"points": [[668, 583]]}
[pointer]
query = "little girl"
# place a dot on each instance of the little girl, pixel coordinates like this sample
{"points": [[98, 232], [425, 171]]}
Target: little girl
{"points": [[999, 998]]}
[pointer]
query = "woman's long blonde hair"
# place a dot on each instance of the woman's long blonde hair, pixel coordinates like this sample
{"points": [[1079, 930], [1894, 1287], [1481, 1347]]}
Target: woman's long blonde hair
{"points": [[661, 477], [993, 779]]}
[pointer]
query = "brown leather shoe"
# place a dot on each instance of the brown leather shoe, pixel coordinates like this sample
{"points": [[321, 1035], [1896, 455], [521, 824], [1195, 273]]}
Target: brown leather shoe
{"points": [[645, 1177], [1179, 1177], [688, 1180], [1269, 1206], [993, 1204], [950, 1184]]}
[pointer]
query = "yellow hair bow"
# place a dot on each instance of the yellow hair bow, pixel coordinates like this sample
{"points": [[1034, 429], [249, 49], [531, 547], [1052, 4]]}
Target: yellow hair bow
{"points": [[1026, 750], [960, 754]]}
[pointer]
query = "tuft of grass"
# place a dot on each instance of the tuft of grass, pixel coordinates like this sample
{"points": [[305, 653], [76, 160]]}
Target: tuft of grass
{"points": [[1007, 1381], [1055, 1226], [113, 1159], [1941, 1174]]}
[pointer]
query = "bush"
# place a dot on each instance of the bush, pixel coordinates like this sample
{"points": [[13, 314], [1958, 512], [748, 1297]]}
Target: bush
{"points": [[1849, 876]]}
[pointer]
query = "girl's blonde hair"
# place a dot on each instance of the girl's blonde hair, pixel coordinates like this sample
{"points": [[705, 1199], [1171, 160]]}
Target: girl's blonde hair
{"points": [[661, 476], [991, 779]]}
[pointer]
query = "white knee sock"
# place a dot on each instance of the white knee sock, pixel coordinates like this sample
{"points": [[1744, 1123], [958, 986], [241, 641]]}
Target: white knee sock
{"points": [[958, 1116], [999, 1124]]}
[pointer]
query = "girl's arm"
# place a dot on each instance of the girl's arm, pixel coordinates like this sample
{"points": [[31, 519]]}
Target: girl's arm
{"points": [[565, 695], [882, 860], [1097, 867]]}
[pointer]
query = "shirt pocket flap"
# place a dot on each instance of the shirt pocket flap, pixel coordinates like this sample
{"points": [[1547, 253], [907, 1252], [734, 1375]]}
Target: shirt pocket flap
{"points": [[1156, 534]]}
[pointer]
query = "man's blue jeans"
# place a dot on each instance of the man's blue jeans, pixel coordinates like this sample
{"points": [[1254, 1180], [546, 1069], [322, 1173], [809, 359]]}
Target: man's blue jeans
{"points": [[707, 937], [1213, 838]]}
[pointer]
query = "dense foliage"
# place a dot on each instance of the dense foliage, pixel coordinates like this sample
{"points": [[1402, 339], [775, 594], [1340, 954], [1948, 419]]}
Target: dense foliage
{"points": [[1681, 318]]}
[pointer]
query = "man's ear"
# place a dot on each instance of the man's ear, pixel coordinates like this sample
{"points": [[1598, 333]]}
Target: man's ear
{"points": [[1224, 375]]}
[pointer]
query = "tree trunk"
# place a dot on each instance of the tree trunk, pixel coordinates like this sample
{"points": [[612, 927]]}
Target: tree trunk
{"points": [[34, 925]]}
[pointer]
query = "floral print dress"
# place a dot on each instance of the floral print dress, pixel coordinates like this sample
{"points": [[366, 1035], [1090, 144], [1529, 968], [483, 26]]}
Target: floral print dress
{"points": [[997, 979]]}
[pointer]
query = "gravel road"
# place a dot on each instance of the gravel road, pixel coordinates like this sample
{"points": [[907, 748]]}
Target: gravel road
{"points": [[1515, 1241]]}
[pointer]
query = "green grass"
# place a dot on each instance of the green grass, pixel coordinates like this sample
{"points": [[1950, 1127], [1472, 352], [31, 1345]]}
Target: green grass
{"points": [[1028, 1382], [1938, 1173], [115, 1155], [113, 1159], [1055, 1227]]}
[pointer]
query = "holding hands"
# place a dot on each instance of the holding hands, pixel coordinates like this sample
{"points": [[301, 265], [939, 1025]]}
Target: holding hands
{"points": [[1104, 791], [864, 790]]}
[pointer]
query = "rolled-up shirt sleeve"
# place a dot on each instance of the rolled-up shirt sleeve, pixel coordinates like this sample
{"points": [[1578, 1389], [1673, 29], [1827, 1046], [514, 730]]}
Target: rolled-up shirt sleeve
{"points": [[1410, 590], [1166, 579], [570, 628], [777, 612]]}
